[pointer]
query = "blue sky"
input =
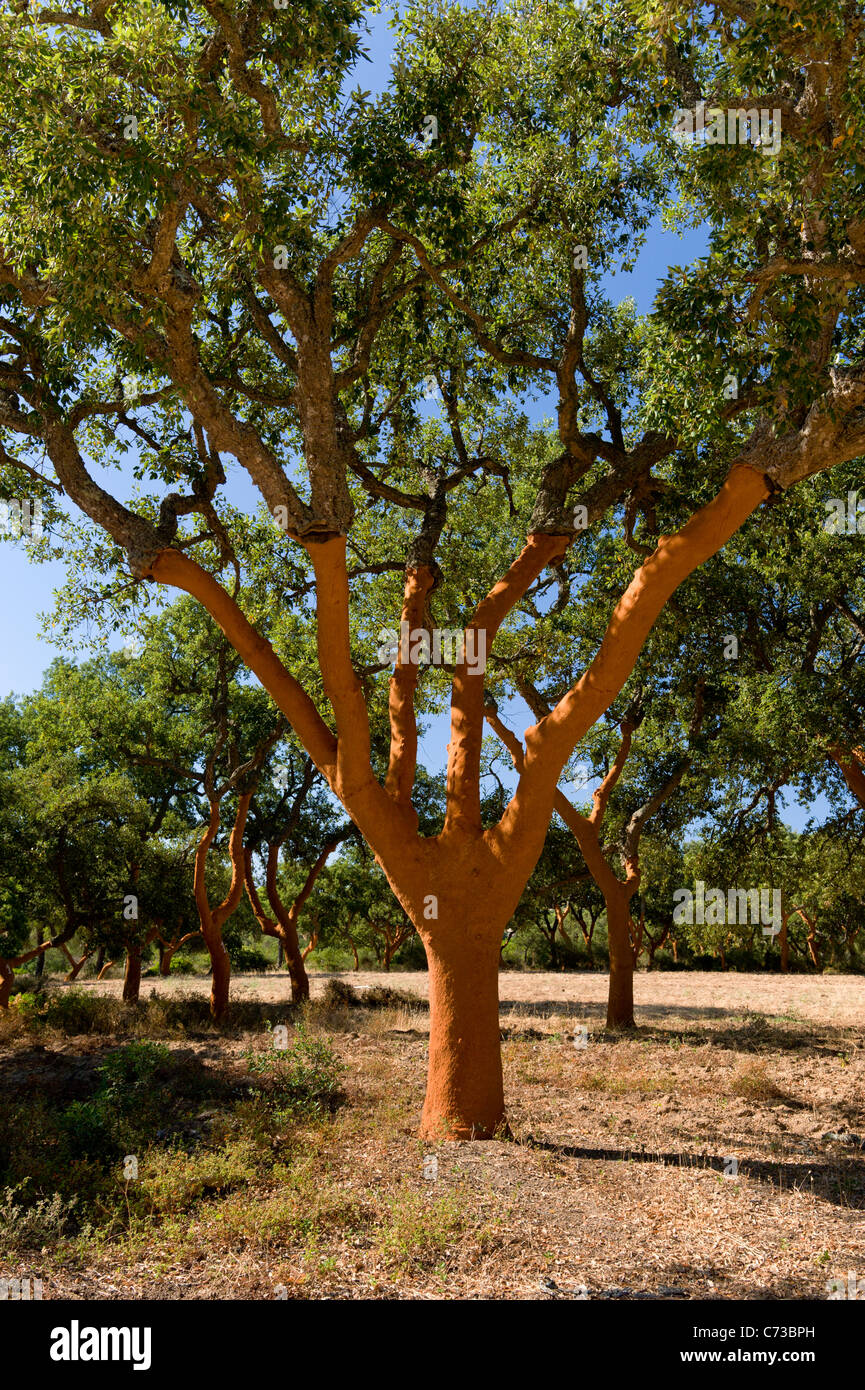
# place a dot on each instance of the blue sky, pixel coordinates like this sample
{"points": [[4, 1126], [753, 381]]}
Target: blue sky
{"points": [[29, 587]]}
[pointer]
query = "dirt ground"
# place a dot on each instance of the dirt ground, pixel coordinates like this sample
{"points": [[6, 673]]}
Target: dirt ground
{"points": [[659, 995], [716, 1153]]}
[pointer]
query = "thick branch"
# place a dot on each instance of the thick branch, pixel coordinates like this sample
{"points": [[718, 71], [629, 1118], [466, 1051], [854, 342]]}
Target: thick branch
{"points": [[467, 697], [549, 743]]}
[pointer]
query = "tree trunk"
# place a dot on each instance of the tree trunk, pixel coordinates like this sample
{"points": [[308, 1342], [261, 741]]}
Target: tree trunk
{"points": [[784, 942], [290, 947], [40, 959], [465, 1090], [7, 976], [811, 940], [220, 963], [620, 1001], [212, 921], [132, 975], [220, 978], [77, 967], [388, 952], [283, 924]]}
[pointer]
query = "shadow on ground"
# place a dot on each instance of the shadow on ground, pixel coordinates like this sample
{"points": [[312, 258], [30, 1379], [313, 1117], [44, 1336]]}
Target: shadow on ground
{"points": [[841, 1182]]}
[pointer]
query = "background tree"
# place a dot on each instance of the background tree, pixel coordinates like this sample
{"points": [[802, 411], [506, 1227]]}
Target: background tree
{"points": [[290, 813]]}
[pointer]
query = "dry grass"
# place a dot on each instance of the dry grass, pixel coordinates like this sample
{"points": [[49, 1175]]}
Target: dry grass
{"points": [[614, 1177], [580, 997]]}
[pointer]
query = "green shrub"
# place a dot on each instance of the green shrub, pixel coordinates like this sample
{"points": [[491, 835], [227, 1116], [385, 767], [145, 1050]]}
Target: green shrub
{"points": [[28, 1005], [131, 1070], [336, 958], [181, 965], [420, 1228], [71, 1011], [302, 1078], [126, 1104], [248, 959], [87, 1126], [172, 1181]]}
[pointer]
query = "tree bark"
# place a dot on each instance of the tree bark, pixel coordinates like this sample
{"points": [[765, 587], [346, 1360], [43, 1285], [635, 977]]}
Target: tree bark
{"points": [[588, 933], [132, 975], [812, 940], [785, 946], [295, 963], [852, 765], [287, 919], [77, 965], [220, 978], [7, 976], [168, 950], [465, 1090], [617, 892], [554, 952], [620, 1000], [213, 919], [283, 925]]}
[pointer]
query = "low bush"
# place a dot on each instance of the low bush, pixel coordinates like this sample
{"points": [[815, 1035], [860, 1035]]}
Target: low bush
{"points": [[301, 1078]]}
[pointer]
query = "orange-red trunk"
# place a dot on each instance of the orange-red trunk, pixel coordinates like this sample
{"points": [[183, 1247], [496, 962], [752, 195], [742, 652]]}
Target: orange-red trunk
{"points": [[220, 978], [294, 963], [465, 1091], [620, 999]]}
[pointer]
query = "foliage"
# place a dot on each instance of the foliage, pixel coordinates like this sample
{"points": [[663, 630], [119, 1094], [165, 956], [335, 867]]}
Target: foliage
{"points": [[302, 1078]]}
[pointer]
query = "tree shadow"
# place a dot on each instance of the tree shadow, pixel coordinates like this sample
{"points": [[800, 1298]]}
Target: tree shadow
{"points": [[750, 1033], [842, 1182]]}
